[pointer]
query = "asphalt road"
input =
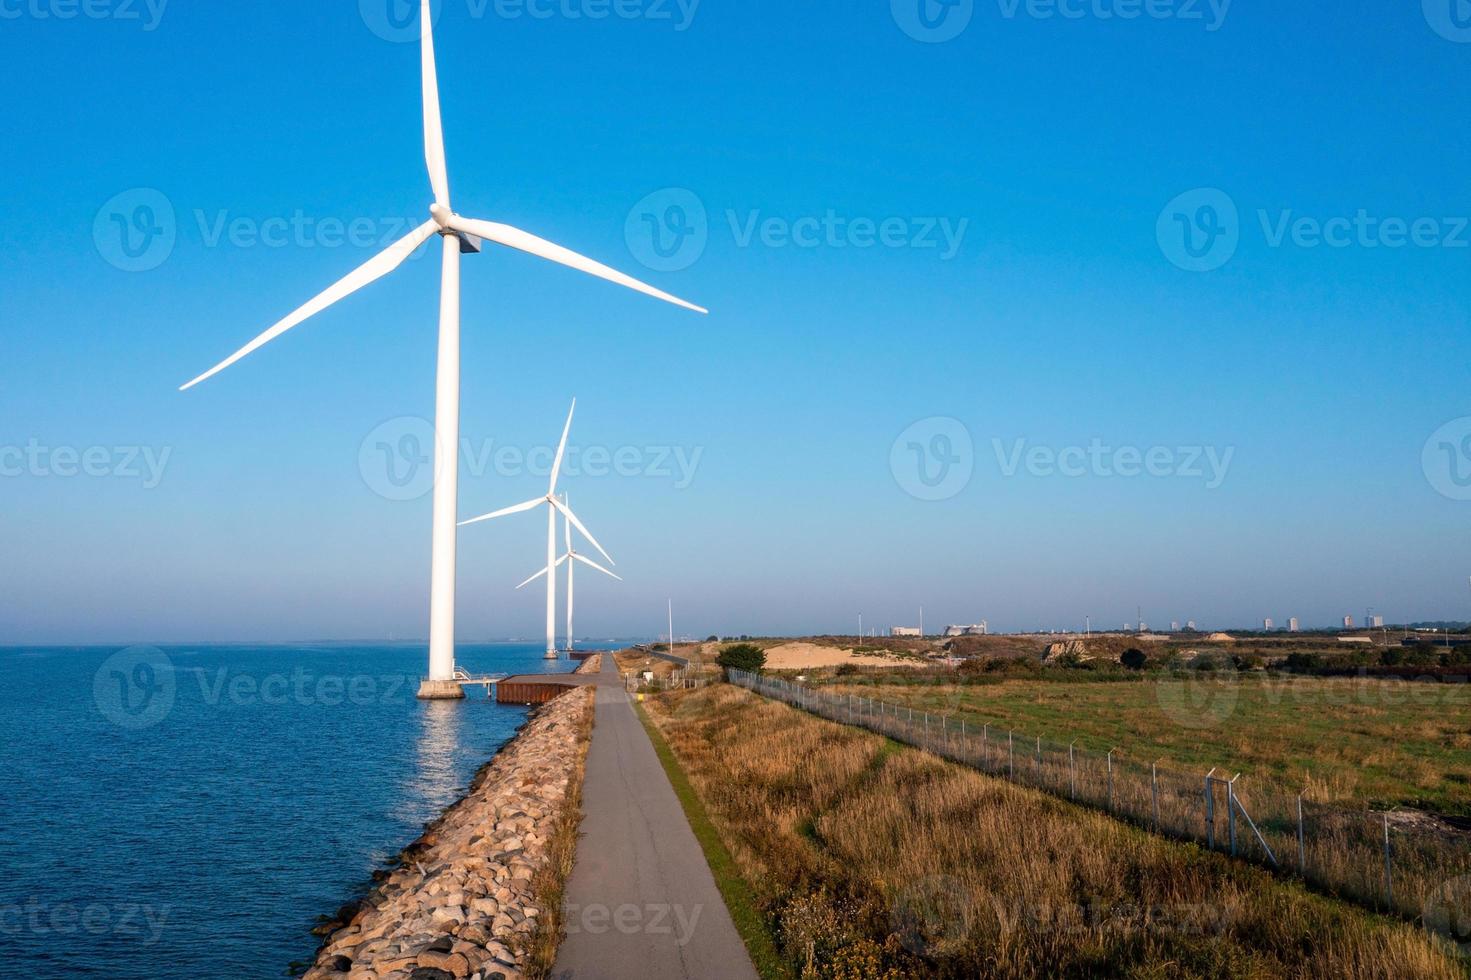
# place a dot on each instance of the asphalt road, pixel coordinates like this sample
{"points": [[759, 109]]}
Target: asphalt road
{"points": [[641, 903]]}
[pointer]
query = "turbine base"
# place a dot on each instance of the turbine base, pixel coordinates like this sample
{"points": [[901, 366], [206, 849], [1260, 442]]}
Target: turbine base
{"points": [[441, 691]]}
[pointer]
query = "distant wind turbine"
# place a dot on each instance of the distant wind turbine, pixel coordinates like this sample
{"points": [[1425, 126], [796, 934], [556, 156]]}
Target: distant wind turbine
{"points": [[460, 235], [570, 558], [553, 505]]}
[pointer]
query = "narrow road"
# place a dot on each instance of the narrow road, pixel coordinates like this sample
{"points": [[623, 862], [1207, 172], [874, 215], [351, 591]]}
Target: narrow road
{"points": [[641, 903]]}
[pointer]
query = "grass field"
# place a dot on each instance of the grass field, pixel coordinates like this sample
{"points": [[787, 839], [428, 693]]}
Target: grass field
{"points": [[1377, 742], [872, 860]]}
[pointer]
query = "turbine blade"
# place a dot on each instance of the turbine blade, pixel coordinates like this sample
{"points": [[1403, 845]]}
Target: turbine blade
{"points": [[532, 579], [505, 512], [372, 270], [540, 247], [589, 561], [561, 450], [433, 125], [567, 511]]}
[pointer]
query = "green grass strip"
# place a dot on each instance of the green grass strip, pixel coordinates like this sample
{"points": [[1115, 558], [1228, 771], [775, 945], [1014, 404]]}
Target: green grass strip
{"points": [[739, 899]]}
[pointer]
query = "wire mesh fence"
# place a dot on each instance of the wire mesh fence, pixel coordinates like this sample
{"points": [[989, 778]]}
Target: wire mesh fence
{"points": [[1400, 863]]}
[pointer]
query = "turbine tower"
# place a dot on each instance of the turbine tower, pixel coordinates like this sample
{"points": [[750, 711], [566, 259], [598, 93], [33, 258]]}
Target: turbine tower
{"points": [[570, 558], [553, 505], [460, 235]]}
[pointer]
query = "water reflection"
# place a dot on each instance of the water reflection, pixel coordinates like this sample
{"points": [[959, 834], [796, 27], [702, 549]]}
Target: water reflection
{"points": [[435, 783]]}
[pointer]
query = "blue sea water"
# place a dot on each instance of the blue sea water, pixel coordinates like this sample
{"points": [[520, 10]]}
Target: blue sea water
{"points": [[190, 811]]}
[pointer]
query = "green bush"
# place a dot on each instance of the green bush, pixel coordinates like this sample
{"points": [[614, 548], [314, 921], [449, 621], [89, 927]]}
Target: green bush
{"points": [[846, 670], [742, 656], [1134, 658], [1302, 663]]}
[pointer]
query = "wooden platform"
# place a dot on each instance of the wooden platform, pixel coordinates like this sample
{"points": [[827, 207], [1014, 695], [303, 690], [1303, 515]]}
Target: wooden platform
{"points": [[539, 688]]}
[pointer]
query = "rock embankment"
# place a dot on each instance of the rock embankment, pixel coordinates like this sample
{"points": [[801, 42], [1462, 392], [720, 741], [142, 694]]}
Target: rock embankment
{"points": [[464, 902]]}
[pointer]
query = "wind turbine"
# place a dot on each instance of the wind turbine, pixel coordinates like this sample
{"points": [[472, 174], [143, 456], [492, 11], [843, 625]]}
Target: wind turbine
{"points": [[570, 559], [460, 235], [553, 505]]}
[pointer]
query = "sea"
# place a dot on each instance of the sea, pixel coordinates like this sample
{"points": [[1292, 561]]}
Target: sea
{"points": [[184, 811]]}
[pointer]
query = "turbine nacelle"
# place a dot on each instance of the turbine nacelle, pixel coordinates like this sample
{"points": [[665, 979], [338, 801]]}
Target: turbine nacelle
{"points": [[443, 216]]}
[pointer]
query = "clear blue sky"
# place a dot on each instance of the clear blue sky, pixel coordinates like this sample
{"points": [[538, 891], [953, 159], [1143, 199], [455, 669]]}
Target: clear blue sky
{"points": [[1063, 315]]}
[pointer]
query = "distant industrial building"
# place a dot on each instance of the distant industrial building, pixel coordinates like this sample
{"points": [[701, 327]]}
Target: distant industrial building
{"points": [[1348, 622], [1374, 622], [979, 629], [905, 631], [1191, 626], [1175, 626], [1268, 625], [1293, 626]]}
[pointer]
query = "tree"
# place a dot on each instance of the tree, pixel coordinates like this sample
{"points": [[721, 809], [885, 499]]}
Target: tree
{"points": [[1134, 658], [742, 656]]}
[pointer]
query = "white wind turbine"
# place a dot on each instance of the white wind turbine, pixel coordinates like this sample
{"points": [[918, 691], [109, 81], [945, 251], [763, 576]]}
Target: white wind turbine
{"points": [[460, 235], [570, 558], [553, 506]]}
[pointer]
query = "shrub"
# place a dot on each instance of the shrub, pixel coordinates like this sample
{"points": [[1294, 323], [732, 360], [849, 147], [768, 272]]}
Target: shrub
{"points": [[847, 670], [1247, 661], [1134, 658], [712, 638], [974, 665], [742, 656], [1302, 663]]}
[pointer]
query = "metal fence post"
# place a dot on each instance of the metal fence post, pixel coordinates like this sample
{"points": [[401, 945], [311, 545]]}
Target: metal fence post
{"points": [[1388, 868], [1210, 813], [1110, 778], [1072, 770], [1302, 847], [1154, 791], [1037, 764], [1231, 810]]}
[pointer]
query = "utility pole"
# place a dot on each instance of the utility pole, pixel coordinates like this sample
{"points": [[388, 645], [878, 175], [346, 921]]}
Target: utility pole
{"points": [[921, 622], [671, 627]]}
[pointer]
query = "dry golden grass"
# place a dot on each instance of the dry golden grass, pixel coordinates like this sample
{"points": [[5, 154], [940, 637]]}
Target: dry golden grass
{"points": [[873, 860], [550, 881]]}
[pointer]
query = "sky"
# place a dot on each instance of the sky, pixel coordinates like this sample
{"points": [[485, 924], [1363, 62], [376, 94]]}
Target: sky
{"points": [[1021, 311]]}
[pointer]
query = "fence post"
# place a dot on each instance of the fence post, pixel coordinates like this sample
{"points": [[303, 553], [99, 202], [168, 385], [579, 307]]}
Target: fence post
{"points": [[1037, 763], [1210, 813], [1072, 771], [1231, 810], [1011, 754], [1154, 791], [1388, 868], [1302, 847], [1110, 779]]}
